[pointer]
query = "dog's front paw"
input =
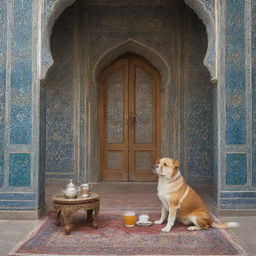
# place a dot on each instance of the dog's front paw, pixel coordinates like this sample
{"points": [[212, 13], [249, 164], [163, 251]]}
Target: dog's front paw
{"points": [[166, 229], [158, 222]]}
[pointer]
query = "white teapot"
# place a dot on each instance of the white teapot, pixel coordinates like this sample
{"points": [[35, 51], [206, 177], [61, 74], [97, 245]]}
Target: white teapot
{"points": [[71, 190]]}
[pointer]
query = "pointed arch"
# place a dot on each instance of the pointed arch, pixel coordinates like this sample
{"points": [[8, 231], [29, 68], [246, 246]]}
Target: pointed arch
{"points": [[58, 6], [137, 48]]}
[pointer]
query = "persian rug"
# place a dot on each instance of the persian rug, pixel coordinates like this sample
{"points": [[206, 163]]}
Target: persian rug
{"points": [[112, 238]]}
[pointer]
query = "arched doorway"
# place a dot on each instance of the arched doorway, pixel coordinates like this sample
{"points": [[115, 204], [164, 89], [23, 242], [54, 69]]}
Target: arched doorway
{"points": [[72, 90], [129, 120]]}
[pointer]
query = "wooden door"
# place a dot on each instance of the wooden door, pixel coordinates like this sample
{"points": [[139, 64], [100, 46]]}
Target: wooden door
{"points": [[129, 120]]}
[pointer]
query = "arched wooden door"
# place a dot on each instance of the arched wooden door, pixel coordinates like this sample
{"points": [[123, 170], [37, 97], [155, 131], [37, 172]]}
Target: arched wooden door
{"points": [[129, 120]]}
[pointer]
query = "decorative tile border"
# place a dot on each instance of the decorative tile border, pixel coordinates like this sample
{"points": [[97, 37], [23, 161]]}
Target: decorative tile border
{"points": [[235, 73], [3, 49], [60, 176], [21, 77], [6, 205], [237, 203], [18, 196], [232, 194]]}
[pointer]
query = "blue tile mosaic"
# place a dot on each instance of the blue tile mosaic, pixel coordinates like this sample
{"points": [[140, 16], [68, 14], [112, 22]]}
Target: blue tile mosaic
{"points": [[42, 155], [215, 144], [17, 204], [20, 169], [236, 165], [17, 196], [197, 116], [3, 50], [21, 77], [60, 176], [235, 73], [237, 203], [238, 194], [200, 136], [59, 99], [254, 89]]}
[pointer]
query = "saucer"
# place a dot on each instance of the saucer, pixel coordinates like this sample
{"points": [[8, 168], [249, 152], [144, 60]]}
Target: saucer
{"points": [[85, 195], [142, 223]]}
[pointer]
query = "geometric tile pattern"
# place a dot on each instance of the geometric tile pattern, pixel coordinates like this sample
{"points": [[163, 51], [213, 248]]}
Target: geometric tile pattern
{"points": [[197, 103], [235, 73], [60, 99], [20, 169], [236, 169], [21, 77], [3, 38]]}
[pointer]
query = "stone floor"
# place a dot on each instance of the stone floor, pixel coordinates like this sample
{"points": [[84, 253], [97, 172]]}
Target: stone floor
{"points": [[12, 231]]}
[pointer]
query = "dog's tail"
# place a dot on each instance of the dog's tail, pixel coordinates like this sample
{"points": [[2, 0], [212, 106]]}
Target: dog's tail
{"points": [[225, 224]]}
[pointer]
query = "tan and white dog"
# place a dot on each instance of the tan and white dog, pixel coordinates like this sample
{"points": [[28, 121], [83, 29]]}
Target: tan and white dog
{"points": [[180, 201]]}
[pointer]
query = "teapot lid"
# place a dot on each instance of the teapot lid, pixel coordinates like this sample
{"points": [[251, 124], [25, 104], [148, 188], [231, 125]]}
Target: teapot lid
{"points": [[70, 184]]}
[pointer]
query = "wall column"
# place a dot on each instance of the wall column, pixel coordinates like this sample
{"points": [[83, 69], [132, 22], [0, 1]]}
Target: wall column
{"points": [[18, 109], [236, 189]]}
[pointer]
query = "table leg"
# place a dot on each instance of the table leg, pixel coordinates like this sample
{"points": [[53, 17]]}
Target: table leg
{"points": [[95, 217], [57, 217], [89, 215], [67, 224]]}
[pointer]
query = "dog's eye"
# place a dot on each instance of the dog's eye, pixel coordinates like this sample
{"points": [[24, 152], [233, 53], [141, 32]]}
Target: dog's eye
{"points": [[165, 164]]}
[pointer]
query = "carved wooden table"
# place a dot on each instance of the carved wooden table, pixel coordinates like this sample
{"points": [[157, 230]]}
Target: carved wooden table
{"points": [[67, 207]]}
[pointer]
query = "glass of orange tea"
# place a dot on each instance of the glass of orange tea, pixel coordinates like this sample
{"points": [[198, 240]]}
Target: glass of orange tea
{"points": [[129, 219]]}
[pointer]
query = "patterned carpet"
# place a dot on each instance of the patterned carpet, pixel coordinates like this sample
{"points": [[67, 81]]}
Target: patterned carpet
{"points": [[112, 238]]}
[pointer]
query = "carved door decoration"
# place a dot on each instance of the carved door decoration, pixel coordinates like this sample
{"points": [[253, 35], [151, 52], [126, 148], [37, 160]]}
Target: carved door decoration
{"points": [[129, 120]]}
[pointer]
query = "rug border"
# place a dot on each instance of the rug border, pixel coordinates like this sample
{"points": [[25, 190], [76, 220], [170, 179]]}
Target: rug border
{"points": [[33, 232], [228, 234], [233, 239]]}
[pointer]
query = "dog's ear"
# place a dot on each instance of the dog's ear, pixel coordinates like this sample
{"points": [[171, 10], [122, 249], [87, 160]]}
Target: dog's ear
{"points": [[157, 161], [176, 163]]}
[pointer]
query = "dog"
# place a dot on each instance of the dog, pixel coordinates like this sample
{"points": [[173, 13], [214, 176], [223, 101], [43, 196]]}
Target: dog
{"points": [[180, 201]]}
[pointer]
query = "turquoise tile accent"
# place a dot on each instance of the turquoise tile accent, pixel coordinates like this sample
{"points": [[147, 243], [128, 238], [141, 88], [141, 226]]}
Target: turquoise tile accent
{"points": [[20, 168], [236, 169], [3, 39], [235, 73], [21, 77]]}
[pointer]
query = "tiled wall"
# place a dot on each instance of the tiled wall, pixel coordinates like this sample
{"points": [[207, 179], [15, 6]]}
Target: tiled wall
{"points": [[3, 48], [17, 190], [59, 100], [237, 120], [196, 103]]}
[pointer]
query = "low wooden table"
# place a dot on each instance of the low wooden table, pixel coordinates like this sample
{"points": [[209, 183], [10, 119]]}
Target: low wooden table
{"points": [[67, 207]]}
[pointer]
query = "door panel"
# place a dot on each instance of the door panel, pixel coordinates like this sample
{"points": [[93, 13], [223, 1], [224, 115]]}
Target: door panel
{"points": [[113, 122], [115, 107], [144, 97], [143, 105], [129, 114]]}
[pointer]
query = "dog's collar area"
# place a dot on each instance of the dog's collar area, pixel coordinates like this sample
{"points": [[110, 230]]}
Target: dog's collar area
{"points": [[177, 176]]}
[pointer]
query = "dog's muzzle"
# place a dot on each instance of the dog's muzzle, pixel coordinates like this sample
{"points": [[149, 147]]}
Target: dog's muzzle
{"points": [[155, 169]]}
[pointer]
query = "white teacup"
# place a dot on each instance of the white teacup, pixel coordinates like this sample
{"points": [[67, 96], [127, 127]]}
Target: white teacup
{"points": [[143, 218]]}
